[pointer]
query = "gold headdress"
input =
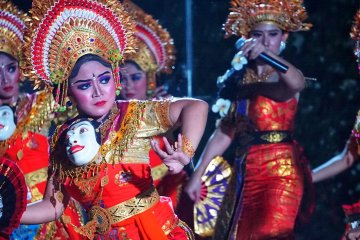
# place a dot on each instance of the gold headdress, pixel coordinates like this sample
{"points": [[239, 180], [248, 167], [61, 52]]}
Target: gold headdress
{"points": [[12, 27], [155, 53], [355, 34], [245, 14], [61, 31]]}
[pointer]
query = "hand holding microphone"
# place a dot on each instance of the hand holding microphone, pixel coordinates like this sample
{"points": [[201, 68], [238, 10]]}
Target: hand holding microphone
{"points": [[262, 55]]}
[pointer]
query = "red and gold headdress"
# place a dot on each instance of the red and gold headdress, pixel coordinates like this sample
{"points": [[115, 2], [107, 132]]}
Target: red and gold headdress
{"points": [[155, 53], [355, 34], [61, 31], [245, 14], [12, 27]]}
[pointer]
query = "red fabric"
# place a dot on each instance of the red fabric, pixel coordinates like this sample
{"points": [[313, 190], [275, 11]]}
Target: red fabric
{"points": [[273, 185], [35, 155], [147, 225]]}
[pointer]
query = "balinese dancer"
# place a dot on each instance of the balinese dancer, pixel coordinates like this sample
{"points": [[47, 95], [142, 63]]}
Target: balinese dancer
{"points": [[155, 55], [264, 195], [77, 46]]}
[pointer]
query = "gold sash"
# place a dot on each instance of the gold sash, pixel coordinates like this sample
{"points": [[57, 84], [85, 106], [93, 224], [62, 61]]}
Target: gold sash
{"points": [[133, 206]]}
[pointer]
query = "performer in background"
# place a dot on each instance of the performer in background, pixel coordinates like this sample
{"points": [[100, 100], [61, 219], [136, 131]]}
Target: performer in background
{"points": [[79, 51], [155, 55], [264, 196], [349, 155]]}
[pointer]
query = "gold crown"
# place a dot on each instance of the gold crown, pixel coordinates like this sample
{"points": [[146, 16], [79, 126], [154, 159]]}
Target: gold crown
{"points": [[12, 27], [355, 28], [245, 14], [155, 52], [64, 30]]}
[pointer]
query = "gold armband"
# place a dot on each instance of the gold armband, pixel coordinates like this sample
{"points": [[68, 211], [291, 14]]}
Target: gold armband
{"points": [[187, 147]]}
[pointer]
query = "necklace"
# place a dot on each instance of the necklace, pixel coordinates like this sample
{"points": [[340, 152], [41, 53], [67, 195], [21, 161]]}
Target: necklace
{"points": [[251, 77]]}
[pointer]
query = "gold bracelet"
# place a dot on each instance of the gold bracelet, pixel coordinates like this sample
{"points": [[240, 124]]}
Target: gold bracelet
{"points": [[187, 147]]}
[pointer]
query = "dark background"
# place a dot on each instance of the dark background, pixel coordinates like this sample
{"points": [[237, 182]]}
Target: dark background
{"points": [[327, 107]]}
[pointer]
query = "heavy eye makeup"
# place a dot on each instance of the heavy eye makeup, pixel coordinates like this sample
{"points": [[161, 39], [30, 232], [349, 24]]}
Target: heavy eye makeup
{"points": [[103, 78], [11, 68]]}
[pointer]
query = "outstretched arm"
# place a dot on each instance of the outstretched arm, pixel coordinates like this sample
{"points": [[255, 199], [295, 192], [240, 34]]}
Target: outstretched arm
{"points": [[216, 145], [334, 166], [190, 115], [48, 209]]}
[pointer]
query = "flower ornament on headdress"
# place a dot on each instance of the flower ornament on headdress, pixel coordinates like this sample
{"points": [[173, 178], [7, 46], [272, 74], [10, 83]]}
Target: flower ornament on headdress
{"points": [[61, 31], [355, 34], [12, 27], [288, 15], [156, 52]]}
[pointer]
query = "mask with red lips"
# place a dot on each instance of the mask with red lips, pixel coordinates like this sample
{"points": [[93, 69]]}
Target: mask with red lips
{"points": [[7, 122], [82, 145]]}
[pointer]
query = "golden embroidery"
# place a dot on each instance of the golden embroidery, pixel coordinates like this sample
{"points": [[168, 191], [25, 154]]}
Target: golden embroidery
{"points": [[36, 177], [159, 172], [274, 137], [113, 149], [187, 147], [134, 206], [86, 185], [35, 194], [170, 224], [103, 218], [104, 181], [251, 77], [162, 113]]}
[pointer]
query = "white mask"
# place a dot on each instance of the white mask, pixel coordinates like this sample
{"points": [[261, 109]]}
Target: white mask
{"points": [[7, 124], [82, 146]]}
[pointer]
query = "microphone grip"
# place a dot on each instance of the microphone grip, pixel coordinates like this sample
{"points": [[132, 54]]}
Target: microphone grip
{"points": [[273, 62]]}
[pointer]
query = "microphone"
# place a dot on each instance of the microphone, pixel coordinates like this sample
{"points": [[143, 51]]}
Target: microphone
{"points": [[265, 57]]}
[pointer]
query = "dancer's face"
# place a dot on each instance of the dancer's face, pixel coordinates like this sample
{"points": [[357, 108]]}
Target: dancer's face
{"points": [[270, 36], [7, 123], [93, 89], [9, 77], [134, 82], [82, 146]]}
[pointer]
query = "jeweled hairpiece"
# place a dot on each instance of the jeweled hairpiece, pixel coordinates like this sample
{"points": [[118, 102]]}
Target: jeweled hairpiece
{"points": [[61, 31], [12, 27], [355, 34], [155, 51], [245, 14]]}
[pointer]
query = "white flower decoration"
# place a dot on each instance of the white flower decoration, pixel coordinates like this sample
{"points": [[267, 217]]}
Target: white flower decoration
{"points": [[221, 106], [239, 61]]}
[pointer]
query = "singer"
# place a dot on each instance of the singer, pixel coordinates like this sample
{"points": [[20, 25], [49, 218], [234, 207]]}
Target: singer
{"points": [[264, 198]]}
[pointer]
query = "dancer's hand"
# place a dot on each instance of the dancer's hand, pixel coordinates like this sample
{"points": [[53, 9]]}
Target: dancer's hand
{"points": [[173, 156], [193, 187], [160, 93]]}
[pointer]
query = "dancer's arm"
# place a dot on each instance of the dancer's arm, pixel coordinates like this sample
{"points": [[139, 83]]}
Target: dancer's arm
{"points": [[216, 145], [46, 210], [334, 166]]}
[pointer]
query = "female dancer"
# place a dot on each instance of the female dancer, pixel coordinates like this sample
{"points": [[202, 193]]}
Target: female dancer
{"points": [[264, 196], [78, 45]]}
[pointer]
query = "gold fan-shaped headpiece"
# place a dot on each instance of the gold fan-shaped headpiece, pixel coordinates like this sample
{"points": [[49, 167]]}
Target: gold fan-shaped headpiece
{"points": [[245, 14], [62, 31], [12, 27], [156, 52]]}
